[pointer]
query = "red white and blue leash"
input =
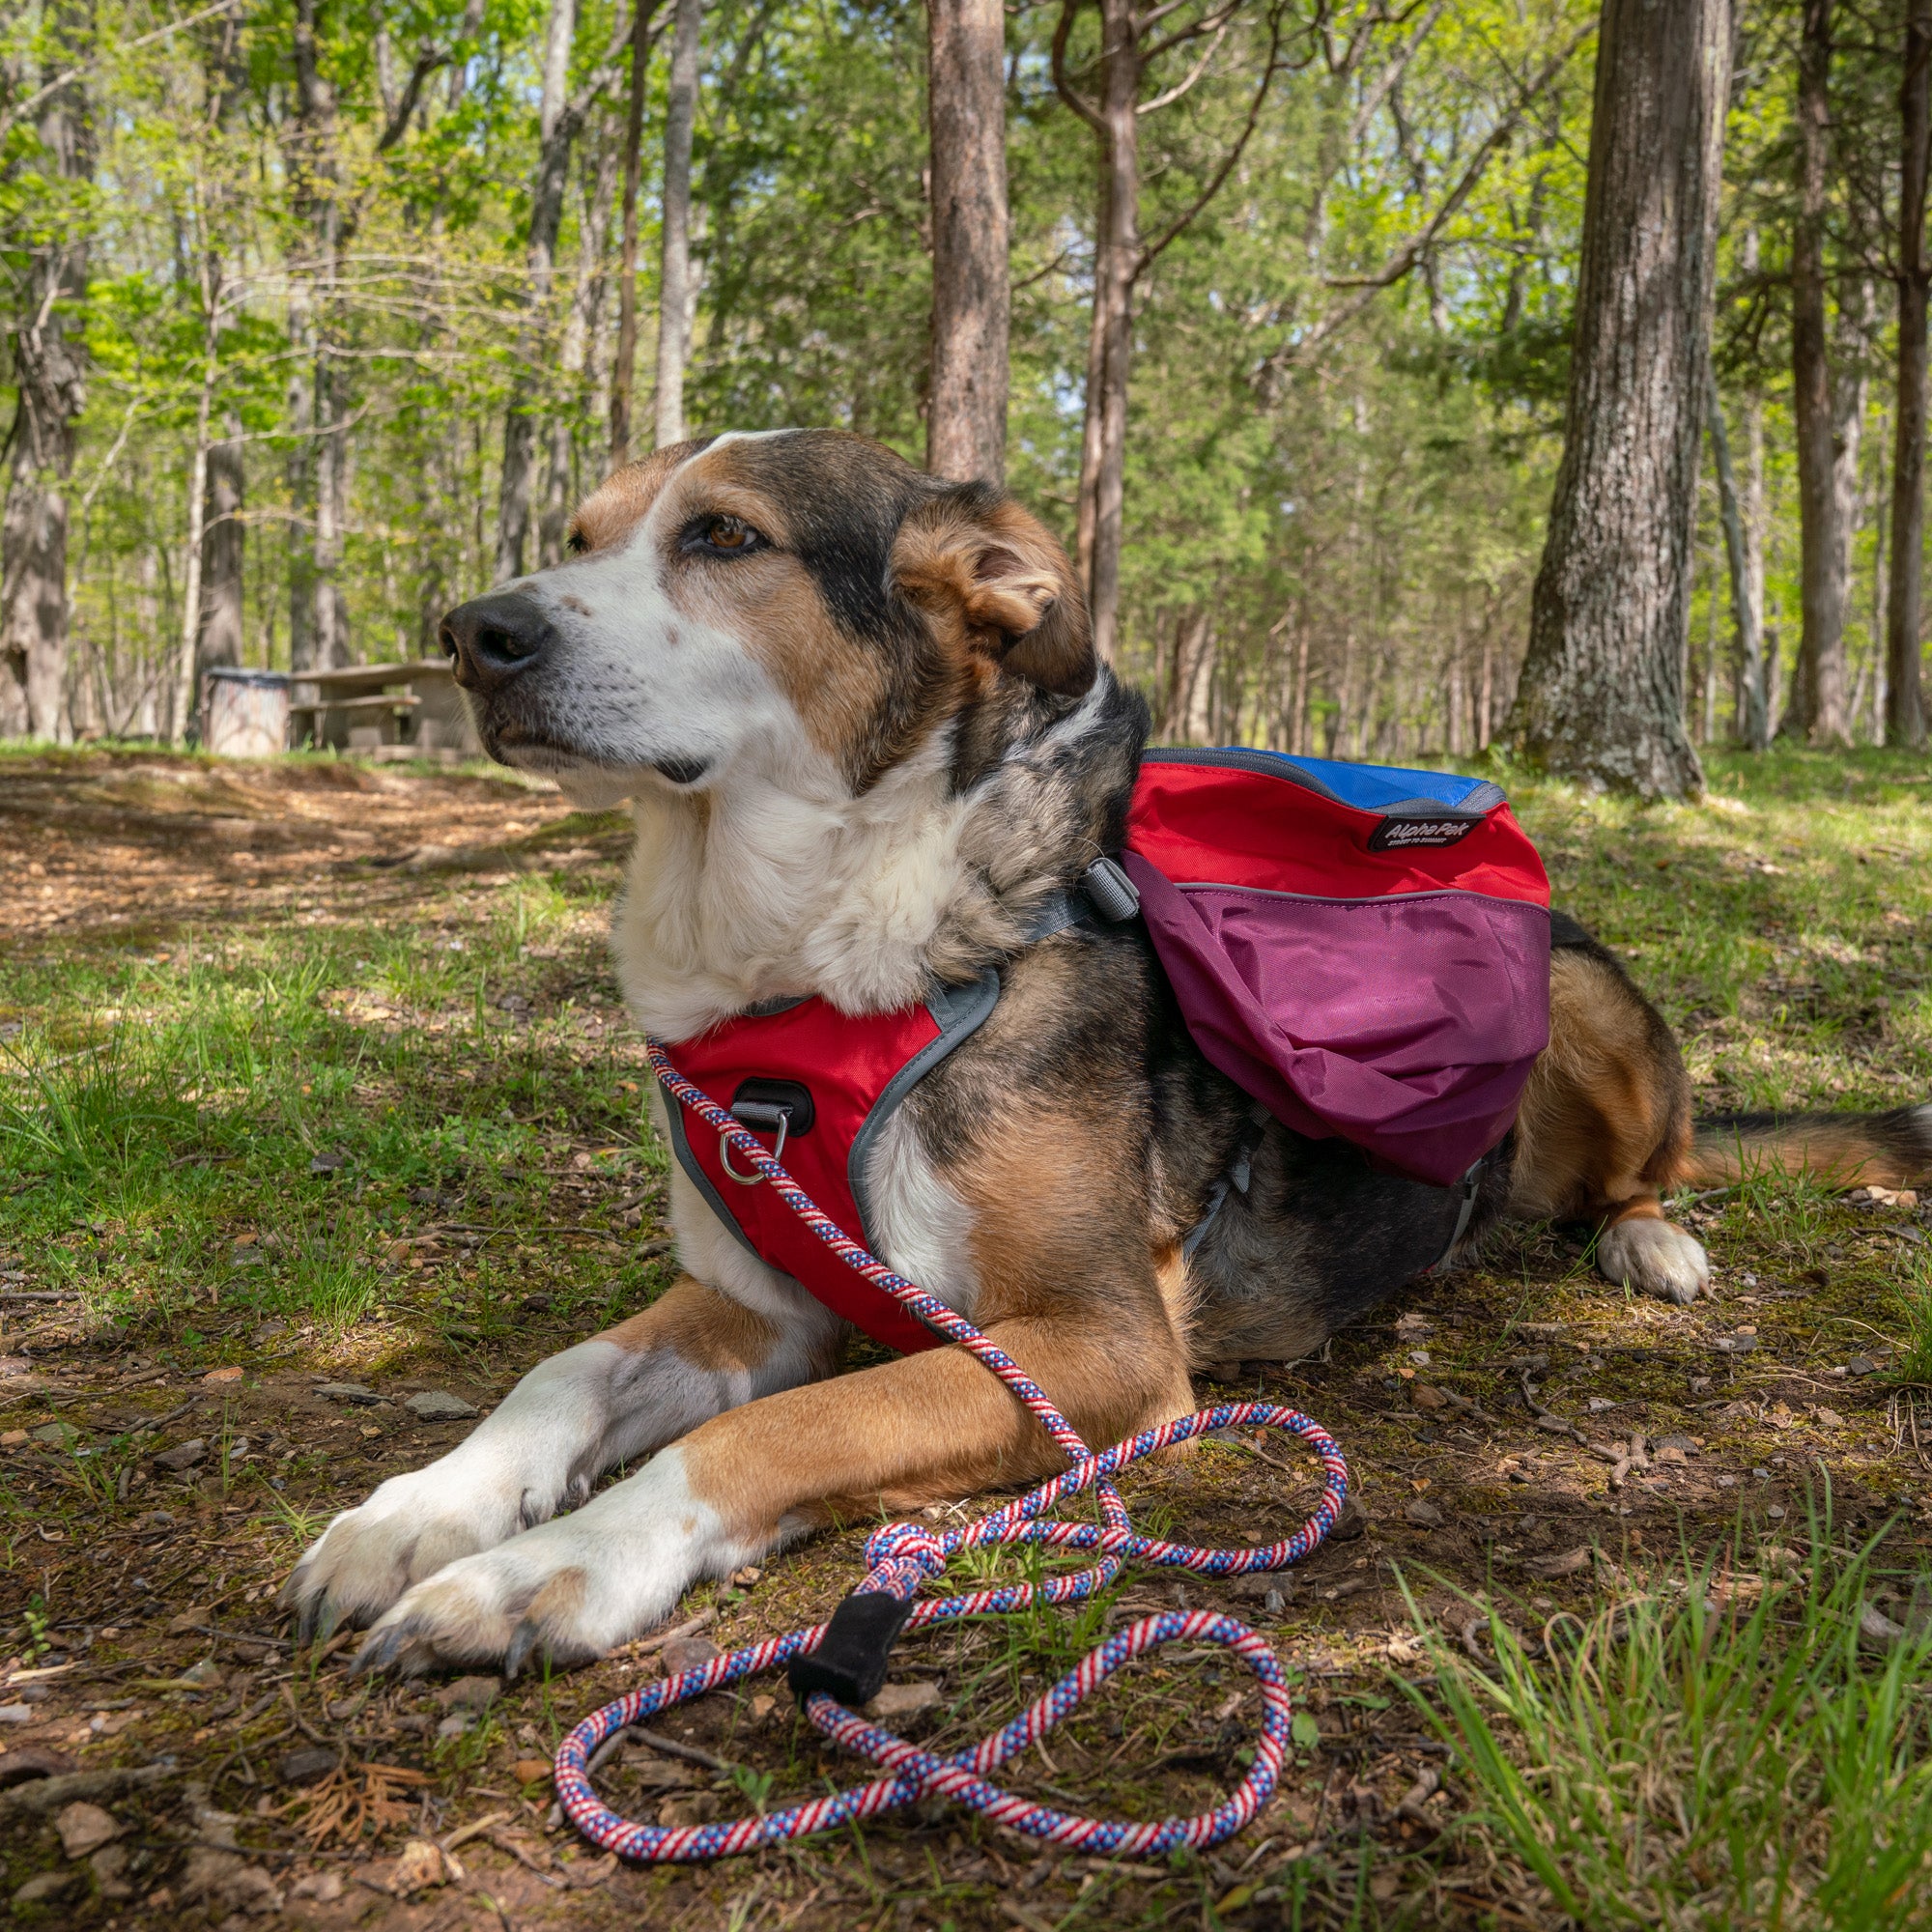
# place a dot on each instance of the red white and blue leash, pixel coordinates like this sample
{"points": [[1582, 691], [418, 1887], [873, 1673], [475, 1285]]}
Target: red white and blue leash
{"points": [[903, 1555]]}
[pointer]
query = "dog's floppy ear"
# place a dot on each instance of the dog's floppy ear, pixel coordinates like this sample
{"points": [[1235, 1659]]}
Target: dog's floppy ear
{"points": [[993, 578]]}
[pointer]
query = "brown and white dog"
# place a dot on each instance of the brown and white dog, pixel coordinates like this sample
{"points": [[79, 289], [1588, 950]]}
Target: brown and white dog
{"points": [[860, 715]]}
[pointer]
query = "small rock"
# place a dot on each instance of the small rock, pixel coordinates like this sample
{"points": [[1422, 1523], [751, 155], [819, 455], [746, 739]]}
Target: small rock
{"points": [[325, 1887], [328, 1163], [1727, 1482], [183, 1455], [455, 1726], [1830, 1418], [47, 1887], [1878, 1630], [264, 1335], [1423, 1397], [1352, 1525], [533, 1770], [228, 1879], [762, 1706], [16, 1713], [439, 1405], [352, 1393], [1684, 1445], [1555, 1424], [470, 1694], [420, 1866], [206, 1673], [22, 1765], [1740, 1344], [688, 1653], [903, 1700], [12, 1439], [1775, 1512], [1424, 1513], [86, 1827], [743, 1580], [231, 1374], [1862, 1365], [309, 1765], [696, 1807]]}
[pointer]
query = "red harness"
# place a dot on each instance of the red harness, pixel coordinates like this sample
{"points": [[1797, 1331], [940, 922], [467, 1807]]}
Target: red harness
{"points": [[828, 1083]]}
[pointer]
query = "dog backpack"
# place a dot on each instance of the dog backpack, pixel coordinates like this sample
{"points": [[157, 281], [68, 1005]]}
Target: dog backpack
{"points": [[1364, 952]]}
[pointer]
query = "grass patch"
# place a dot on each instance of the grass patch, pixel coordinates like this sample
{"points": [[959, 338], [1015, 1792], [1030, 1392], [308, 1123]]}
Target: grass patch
{"points": [[1725, 1747]]}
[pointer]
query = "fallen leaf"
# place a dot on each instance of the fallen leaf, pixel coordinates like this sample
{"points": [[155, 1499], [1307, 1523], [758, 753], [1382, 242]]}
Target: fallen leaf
{"points": [[1566, 1565], [533, 1770], [696, 1807], [420, 1866], [228, 1374]]}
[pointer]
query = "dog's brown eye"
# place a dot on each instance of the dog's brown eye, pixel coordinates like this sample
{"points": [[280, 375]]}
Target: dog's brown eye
{"points": [[729, 534]]}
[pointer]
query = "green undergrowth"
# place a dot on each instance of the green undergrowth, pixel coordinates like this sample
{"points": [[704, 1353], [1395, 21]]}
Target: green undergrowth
{"points": [[1741, 1739]]}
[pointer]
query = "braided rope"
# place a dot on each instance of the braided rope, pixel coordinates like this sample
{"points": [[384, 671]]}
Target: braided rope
{"points": [[902, 1555]]}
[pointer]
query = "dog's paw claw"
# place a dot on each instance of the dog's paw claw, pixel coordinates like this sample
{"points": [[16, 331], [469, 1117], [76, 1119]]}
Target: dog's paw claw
{"points": [[525, 1639]]}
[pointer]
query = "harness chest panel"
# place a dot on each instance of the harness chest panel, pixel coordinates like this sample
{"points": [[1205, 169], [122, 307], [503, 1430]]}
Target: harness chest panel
{"points": [[852, 1073]]}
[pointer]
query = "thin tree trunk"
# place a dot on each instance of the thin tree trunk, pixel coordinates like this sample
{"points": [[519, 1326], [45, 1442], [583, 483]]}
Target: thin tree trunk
{"points": [[197, 501], [966, 98], [1904, 699], [624, 370], [674, 288], [50, 374], [223, 553], [1817, 708], [587, 298], [1601, 696], [1754, 726], [1117, 263], [556, 130]]}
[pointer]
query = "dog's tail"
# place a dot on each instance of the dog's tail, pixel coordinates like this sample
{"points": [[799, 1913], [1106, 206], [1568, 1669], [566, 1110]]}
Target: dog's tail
{"points": [[1892, 1150]]}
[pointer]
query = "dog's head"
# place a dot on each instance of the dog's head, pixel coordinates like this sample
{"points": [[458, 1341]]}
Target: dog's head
{"points": [[802, 599]]}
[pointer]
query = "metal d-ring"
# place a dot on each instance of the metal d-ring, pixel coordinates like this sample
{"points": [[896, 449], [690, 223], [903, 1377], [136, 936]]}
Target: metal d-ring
{"points": [[782, 1117]]}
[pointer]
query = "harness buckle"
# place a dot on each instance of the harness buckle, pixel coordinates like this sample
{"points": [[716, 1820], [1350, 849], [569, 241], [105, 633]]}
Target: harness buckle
{"points": [[760, 1116]]}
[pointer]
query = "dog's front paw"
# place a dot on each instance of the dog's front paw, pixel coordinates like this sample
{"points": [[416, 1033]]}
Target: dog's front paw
{"points": [[571, 1589], [1654, 1256], [408, 1529]]}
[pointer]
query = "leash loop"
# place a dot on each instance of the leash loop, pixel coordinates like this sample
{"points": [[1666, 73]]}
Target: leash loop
{"points": [[850, 1651]]}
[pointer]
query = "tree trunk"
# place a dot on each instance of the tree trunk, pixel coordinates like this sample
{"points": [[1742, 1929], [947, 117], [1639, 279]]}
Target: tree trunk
{"points": [[624, 368], [50, 376], [966, 97], [1753, 723], [556, 130], [198, 510], [1904, 699], [1116, 247], [587, 299], [674, 288], [1816, 712], [223, 551], [1601, 696]]}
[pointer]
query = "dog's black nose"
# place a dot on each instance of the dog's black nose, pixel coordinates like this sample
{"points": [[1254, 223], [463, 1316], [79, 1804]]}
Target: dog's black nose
{"points": [[494, 638]]}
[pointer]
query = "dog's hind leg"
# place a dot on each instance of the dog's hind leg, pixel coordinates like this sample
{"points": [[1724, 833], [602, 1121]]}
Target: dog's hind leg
{"points": [[692, 1353], [1605, 1123]]}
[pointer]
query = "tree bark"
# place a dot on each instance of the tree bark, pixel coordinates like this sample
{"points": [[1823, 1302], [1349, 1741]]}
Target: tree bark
{"points": [[1116, 248], [674, 286], [624, 369], [1600, 698], [223, 553], [1816, 712], [1904, 699], [1753, 723], [966, 98], [50, 375], [587, 299], [556, 130]]}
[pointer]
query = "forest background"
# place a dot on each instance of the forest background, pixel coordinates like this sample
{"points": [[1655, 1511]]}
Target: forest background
{"points": [[314, 321]]}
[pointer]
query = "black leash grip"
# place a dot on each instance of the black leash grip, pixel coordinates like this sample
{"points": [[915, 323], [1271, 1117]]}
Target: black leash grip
{"points": [[849, 1662]]}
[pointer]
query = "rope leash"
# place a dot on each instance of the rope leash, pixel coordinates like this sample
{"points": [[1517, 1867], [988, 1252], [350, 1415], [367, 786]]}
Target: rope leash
{"points": [[848, 1654]]}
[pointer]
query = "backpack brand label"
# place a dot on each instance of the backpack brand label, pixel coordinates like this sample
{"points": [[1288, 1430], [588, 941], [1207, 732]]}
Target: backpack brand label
{"points": [[1392, 834]]}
